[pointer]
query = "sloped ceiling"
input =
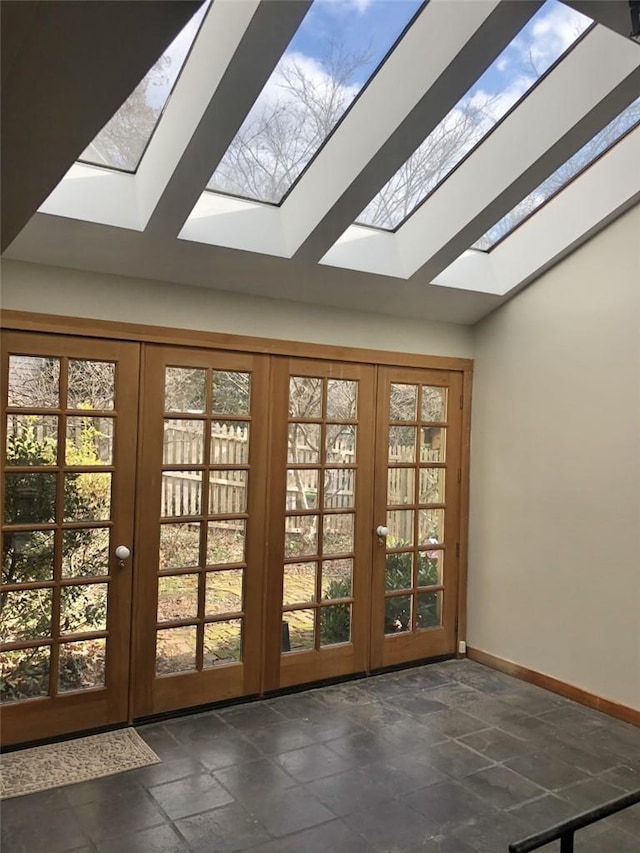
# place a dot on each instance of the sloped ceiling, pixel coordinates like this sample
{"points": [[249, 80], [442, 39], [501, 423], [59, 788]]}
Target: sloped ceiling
{"points": [[158, 223]]}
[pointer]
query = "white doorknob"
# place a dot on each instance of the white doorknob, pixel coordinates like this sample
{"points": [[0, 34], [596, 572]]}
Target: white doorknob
{"points": [[382, 531], [122, 553]]}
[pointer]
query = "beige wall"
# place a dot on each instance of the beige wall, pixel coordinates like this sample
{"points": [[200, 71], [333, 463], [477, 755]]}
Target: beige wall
{"points": [[32, 287], [555, 492]]}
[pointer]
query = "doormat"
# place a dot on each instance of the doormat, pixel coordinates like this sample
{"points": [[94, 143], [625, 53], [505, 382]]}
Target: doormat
{"points": [[53, 765]]}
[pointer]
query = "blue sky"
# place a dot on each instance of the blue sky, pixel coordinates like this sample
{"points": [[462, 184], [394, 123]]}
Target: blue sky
{"points": [[361, 25]]}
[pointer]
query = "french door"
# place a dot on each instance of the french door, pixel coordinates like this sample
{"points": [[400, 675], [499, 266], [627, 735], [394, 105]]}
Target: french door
{"points": [[69, 413], [290, 520], [199, 540], [319, 594], [417, 515]]}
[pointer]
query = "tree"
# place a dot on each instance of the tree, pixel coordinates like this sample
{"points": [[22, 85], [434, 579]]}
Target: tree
{"points": [[121, 142], [294, 115], [430, 163]]}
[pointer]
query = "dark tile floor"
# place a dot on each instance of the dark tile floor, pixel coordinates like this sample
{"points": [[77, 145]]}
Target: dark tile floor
{"points": [[446, 758]]}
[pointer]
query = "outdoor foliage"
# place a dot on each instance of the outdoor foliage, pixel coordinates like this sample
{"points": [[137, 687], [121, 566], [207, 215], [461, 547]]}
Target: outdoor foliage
{"points": [[26, 614], [335, 620], [397, 615]]}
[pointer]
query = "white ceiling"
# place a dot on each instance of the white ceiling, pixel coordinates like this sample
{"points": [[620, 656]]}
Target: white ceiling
{"points": [[158, 223]]}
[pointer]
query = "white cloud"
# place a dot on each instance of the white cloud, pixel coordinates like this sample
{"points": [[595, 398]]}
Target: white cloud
{"points": [[550, 35], [360, 6]]}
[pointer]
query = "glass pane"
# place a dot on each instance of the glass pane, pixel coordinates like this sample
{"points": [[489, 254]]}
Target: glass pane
{"points": [[304, 444], [403, 402], [398, 571], [432, 485], [183, 442], [231, 392], [25, 614], [546, 36], [229, 442], [85, 552], [181, 493], [227, 491], [335, 624], [336, 578], [302, 489], [34, 382], [176, 650], [179, 546], [430, 526], [91, 384], [87, 497], [299, 583], [298, 630], [400, 524], [429, 612], [185, 389], [339, 488], [32, 439], [82, 665], [222, 642], [337, 533], [226, 541], [30, 498], [402, 444], [342, 400], [122, 141], [301, 535], [224, 592], [432, 444], [27, 556], [397, 614], [25, 674], [89, 441], [177, 597], [83, 608], [335, 50], [305, 397], [429, 568], [573, 167], [341, 444], [434, 404], [401, 486]]}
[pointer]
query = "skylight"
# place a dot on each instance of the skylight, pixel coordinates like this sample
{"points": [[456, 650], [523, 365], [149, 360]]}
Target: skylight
{"points": [[335, 51], [545, 38], [122, 141], [601, 142]]}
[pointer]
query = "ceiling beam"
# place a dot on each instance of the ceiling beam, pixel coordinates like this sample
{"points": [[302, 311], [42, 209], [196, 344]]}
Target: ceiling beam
{"points": [[461, 40], [598, 79], [614, 14], [224, 77], [604, 191], [66, 68]]}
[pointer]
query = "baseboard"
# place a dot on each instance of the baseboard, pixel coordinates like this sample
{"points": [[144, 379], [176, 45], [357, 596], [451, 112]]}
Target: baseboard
{"points": [[569, 691]]}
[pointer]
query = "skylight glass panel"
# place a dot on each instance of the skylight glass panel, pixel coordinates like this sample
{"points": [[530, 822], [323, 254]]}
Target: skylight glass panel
{"points": [[544, 39], [335, 51], [122, 141], [601, 142]]}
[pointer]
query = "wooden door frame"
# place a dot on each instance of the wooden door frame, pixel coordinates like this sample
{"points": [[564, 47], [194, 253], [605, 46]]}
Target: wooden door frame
{"points": [[140, 333]]}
